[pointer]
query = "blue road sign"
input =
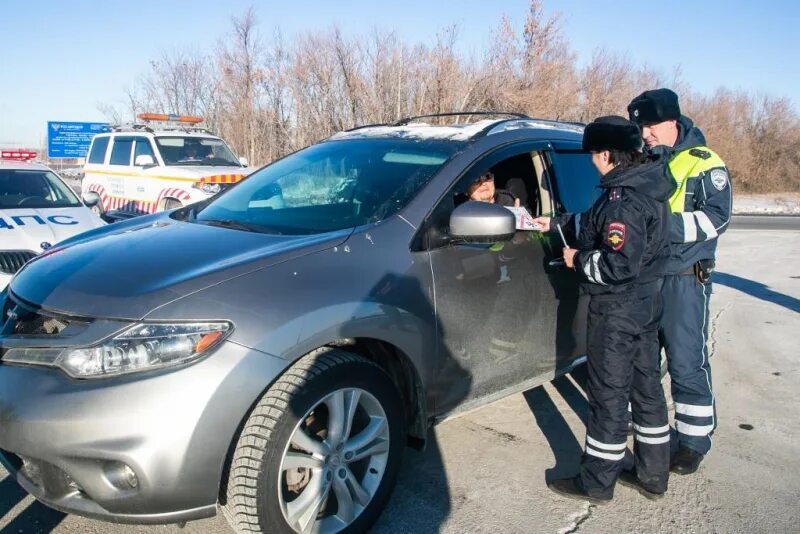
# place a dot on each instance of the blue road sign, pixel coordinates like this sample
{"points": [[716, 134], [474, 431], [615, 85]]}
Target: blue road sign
{"points": [[72, 139]]}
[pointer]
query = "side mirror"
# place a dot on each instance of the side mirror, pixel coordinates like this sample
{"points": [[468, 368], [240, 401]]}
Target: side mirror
{"points": [[243, 161], [144, 160], [482, 222], [91, 199]]}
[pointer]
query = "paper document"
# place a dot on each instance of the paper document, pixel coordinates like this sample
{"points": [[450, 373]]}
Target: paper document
{"points": [[524, 219]]}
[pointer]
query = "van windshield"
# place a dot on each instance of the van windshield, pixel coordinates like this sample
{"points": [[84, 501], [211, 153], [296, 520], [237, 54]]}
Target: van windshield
{"points": [[330, 186], [195, 151]]}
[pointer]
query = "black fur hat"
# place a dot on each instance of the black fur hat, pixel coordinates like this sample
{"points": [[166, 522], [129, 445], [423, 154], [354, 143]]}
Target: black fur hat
{"points": [[611, 133], [654, 106]]}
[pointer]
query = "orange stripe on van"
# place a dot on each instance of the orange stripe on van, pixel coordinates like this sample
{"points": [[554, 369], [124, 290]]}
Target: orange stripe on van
{"points": [[223, 179]]}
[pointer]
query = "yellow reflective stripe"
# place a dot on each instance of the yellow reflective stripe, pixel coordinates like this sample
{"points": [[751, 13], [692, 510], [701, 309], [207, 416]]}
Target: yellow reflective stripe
{"points": [[141, 175], [685, 165]]}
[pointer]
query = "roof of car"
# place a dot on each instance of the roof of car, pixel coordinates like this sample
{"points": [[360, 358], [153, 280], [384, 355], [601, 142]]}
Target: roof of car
{"points": [[461, 132], [15, 165]]}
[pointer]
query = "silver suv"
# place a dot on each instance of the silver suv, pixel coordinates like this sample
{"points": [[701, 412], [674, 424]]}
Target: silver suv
{"points": [[270, 352]]}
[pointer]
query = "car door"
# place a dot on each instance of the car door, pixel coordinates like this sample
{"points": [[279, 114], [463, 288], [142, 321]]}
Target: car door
{"points": [[120, 166], [573, 184], [495, 305]]}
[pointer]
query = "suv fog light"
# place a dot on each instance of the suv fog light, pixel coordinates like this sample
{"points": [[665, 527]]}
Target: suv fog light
{"points": [[121, 476]]}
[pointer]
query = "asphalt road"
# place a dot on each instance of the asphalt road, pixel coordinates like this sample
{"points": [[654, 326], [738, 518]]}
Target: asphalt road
{"points": [[486, 470], [766, 222]]}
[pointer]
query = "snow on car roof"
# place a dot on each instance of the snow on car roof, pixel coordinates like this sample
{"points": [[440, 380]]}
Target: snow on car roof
{"points": [[419, 130], [456, 132]]}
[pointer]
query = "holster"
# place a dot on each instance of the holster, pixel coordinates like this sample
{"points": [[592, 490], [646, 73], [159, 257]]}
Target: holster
{"points": [[703, 270]]}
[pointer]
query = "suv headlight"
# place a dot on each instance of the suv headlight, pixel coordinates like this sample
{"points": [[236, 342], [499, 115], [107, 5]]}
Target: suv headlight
{"points": [[210, 189], [142, 347]]}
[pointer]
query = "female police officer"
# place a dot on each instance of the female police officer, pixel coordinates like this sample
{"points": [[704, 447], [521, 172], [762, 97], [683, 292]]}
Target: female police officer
{"points": [[619, 256]]}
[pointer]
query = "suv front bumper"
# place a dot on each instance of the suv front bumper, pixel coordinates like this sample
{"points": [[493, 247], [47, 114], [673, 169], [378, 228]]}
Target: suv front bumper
{"points": [[66, 441]]}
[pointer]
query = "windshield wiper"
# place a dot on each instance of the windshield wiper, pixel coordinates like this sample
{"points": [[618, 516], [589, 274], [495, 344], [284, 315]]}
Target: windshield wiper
{"points": [[229, 223], [237, 225]]}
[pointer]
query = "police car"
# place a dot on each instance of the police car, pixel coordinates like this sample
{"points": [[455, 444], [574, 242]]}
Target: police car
{"points": [[160, 163], [37, 210]]}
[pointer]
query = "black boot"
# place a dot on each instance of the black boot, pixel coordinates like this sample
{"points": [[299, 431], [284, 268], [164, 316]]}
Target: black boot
{"points": [[573, 488], [686, 461], [631, 480]]}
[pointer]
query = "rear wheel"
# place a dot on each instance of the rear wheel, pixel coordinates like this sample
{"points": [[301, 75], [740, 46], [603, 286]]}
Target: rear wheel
{"points": [[320, 451]]}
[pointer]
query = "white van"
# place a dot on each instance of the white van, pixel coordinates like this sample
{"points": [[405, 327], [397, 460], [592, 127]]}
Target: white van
{"points": [[139, 169]]}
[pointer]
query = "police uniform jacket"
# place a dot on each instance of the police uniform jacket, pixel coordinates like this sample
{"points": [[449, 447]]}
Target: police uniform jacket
{"points": [[702, 202], [624, 238]]}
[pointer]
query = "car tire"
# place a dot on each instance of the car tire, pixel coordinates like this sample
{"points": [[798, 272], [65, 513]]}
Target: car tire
{"points": [[347, 488]]}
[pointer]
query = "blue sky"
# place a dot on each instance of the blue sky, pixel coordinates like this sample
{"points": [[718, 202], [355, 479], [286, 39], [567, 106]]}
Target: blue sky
{"points": [[59, 59]]}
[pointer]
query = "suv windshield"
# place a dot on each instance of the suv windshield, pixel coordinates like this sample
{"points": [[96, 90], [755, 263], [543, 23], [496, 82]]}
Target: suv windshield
{"points": [[34, 189], [195, 151], [330, 186]]}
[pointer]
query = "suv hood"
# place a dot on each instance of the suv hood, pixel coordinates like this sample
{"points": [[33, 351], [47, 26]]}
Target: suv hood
{"points": [[126, 270]]}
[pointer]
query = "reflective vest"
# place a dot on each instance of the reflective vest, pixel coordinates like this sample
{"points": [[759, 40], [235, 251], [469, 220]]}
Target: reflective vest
{"points": [[685, 166]]}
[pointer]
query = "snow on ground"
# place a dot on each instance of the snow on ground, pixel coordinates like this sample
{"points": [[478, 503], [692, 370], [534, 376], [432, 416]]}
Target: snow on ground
{"points": [[771, 204]]}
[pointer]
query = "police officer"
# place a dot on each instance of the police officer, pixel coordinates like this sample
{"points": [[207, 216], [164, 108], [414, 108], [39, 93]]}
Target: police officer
{"points": [[701, 211], [621, 242]]}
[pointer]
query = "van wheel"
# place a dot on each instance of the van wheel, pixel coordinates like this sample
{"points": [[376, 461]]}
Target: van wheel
{"points": [[320, 451], [170, 204]]}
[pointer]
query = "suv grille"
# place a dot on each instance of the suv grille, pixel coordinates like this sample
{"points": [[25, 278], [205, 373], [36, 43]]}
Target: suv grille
{"points": [[12, 261]]}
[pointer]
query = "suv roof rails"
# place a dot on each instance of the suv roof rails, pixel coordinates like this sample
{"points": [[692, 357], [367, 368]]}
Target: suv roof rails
{"points": [[405, 121], [150, 128], [130, 128]]}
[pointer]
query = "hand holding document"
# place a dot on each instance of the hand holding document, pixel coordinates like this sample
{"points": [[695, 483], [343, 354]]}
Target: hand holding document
{"points": [[525, 221]]}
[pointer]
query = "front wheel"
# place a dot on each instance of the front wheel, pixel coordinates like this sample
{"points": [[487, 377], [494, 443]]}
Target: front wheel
{"points": [[320, 451]]}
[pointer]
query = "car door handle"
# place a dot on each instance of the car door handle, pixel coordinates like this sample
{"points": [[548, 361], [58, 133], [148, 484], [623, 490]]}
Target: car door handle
{"points": [[557, 263]]}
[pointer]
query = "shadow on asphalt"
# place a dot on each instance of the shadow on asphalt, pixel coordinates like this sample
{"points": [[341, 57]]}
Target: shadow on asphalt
{"points": [[757, 290], [421, 501], [36, 518], [566, 448]]}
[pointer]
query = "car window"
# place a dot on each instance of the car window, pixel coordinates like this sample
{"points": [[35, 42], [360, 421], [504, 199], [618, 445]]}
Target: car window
{"points": [[143, 148], [34, 189], [98, 152], [576, 180], [331, 186], [195, 151], [121, 151]]}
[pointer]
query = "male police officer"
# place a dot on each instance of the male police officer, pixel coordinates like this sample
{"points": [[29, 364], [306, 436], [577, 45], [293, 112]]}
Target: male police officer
{"points": [[701, 210], [619, 256]]}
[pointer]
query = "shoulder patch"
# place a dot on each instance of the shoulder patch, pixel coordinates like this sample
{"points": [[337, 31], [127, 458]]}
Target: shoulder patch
{"points": [[616, 235], [700, 153], [615, 193], [719, 177]]}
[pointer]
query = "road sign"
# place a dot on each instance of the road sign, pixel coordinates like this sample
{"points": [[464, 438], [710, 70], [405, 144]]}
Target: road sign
{"points": [[72, 139]]}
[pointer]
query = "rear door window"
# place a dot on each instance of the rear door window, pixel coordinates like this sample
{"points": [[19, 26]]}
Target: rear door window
{"points": [[98, 152], [121, 151]]}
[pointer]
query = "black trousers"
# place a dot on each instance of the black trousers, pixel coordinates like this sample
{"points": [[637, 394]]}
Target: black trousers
{"points": [[624, 366]]}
